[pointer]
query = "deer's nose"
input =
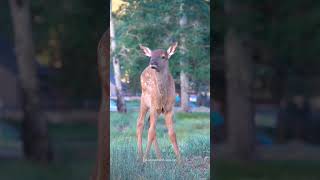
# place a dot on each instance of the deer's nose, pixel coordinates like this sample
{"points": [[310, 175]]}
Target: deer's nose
{"points": [[153, 62]]}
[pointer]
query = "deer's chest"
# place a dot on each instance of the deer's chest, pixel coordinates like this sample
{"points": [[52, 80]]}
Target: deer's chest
{"points": [[159, 96], [162, 100]]}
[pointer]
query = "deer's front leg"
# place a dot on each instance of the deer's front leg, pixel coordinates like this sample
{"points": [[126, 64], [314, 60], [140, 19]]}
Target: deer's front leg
{"points": [[172, 134], [140, 124], [151, 132]]}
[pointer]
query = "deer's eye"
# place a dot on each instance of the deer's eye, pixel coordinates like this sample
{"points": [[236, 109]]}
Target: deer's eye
{"points": [[163, 57]]}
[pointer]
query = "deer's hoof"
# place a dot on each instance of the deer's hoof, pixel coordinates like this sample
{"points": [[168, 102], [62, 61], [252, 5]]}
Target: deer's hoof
{"points": [[140, 158], [179, 161], [144, 160]]}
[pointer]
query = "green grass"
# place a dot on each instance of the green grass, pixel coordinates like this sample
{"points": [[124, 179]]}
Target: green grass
{"points": [[267, 170], [132, 103], [62, 170], [74, 147], [74, 131], [192, 132]]}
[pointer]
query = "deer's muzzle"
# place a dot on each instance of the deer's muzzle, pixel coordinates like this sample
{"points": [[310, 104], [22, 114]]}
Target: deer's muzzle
{"points": [[154, 65]]}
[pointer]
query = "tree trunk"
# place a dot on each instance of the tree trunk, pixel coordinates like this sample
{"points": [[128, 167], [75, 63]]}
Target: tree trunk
{"points": [[184, 91], [102, 170], [239, 76], [34, 128], [184, 80], [121, 107]]}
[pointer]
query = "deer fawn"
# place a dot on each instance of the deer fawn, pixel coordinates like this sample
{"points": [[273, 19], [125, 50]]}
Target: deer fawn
{"points": [[158, 96]]}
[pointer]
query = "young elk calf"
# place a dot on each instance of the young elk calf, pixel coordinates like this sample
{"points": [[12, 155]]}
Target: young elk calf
{"points": [[158, 96]]}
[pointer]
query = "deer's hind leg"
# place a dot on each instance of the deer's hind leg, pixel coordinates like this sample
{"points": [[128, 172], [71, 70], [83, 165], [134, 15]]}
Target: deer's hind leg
{"points": [[140, 124], [172, 134], [156, 148], [151, 133]]}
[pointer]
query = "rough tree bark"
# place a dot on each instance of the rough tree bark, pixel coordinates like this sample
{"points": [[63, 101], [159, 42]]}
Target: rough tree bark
{"points": [[34, 129], [239, 75], [184, 80], [102, 170], [121, 106]]}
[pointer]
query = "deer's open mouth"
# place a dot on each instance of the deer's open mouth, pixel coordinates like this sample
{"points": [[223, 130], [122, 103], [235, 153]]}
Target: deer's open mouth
{"points": [[154, 67]]}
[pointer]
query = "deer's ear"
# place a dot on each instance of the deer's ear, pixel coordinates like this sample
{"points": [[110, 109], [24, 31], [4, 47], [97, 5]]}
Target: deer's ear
{"points": [[172, 49], [146, 51]]}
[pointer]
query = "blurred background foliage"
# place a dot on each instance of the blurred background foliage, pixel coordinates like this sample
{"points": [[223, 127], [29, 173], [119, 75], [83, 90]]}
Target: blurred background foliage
{"points": [[66, 34], [286, 30], [279, 41], [155, 24]]}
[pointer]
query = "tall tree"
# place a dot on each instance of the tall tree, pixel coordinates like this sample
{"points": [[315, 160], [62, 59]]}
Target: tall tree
{"points": [[239, 75], [184, 79], [34, 129], [121, 106]]}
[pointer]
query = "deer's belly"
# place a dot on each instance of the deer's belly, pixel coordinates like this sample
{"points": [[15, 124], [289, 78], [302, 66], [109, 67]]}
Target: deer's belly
{"points": [[161, 106], [155, 103], [160, 101], [146, 99]]}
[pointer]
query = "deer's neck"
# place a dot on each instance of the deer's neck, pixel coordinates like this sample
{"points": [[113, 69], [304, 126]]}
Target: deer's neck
{"points": [[162, 84], [162, 79]]}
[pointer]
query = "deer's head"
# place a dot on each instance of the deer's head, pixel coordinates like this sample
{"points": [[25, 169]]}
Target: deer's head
{"points": [[159, 58]]}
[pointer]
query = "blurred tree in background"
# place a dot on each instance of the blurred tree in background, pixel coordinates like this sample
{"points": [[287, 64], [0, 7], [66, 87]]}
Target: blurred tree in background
{"points": [[269, 51], [284, 39], [239, 76], [63, 39], [116, 67], [35, 136], [73, 31]]}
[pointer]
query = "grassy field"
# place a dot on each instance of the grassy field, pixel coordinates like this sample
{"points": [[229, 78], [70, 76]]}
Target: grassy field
{"points": [[75, 147], [267, 170], [193, 131]]}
